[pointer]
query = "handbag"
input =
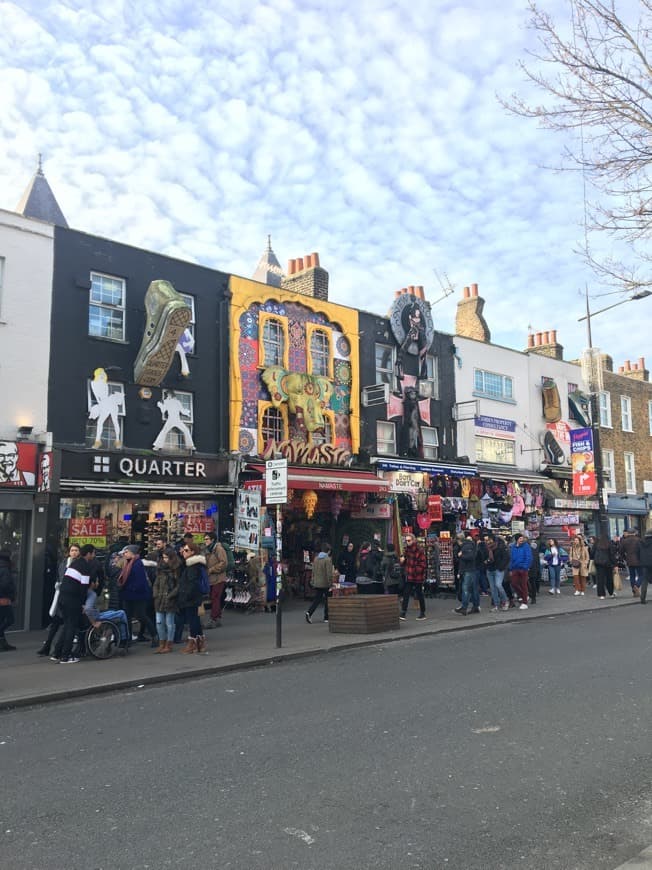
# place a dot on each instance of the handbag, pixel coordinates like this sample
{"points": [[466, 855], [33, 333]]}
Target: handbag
{"points": [[618, 583], [592, 572], [575, 563]]}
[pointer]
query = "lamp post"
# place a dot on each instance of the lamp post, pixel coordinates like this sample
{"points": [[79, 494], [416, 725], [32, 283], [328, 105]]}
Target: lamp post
{"points": [[603, 522]]}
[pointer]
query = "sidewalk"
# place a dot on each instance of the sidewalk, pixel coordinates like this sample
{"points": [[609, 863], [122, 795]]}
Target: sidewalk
{"points": [[248, 640]]}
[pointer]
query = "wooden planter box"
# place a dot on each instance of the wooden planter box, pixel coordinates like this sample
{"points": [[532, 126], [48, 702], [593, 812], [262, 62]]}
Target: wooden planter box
{"points": [[363, 614]]}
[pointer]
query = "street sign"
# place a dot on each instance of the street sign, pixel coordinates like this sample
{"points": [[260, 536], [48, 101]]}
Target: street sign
{"points": [[276, 481]]}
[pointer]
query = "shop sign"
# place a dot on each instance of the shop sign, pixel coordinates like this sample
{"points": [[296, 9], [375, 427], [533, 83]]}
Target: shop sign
{"points": [[562, 520], [198, 525], [276, 481], [495, 427], [404, 481], [580, 504], [85, 465], [583, 462], [247, 520], [307, 454], [435, 509], [18, 464], [372, 512], [561, 430], [87, 531]]}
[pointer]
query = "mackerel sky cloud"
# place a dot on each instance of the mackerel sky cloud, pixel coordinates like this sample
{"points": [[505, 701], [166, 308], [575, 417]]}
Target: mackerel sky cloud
{"points": [[370, 132]]}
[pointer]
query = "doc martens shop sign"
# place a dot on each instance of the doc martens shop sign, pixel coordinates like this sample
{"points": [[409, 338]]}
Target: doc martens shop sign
{"points": [[152, 469]]}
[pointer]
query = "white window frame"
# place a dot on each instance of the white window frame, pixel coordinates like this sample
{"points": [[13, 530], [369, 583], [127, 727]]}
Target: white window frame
{"points": [[604, 409], [320, 352], [506, 386], [630, 472], [608, 470], [430, 438], [501, 451], [384, 375], [116, 311], [174, 440], [107, 436], [431, 379], [277, 325], [386, 438], [190, 302], [626, 414]]}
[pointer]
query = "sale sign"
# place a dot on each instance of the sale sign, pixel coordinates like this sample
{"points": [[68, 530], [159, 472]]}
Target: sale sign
{"points": [[583, 462], [87, 531]]}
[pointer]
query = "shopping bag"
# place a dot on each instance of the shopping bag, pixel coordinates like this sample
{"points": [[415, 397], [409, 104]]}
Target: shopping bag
{"points": [[618, 582]]}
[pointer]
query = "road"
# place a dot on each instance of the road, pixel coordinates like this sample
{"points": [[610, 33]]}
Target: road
{"points": [[523, 746]]}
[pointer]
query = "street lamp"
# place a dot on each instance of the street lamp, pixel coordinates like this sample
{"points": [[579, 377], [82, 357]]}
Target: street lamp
{"points": [[594, 379]]}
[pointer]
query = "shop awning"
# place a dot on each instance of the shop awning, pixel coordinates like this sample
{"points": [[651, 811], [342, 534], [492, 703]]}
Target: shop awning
{"points": [[504, 474], [140, 488], [329, 479], [422, 466], [627, 505]]}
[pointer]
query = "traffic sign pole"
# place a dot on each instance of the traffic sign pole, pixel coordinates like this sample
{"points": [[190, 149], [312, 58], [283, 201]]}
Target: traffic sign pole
{"points": [[276, 492]]}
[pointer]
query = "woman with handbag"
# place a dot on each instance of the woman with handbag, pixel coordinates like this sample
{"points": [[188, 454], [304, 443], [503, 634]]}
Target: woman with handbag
{"points": [[7, 599], [579, 562], [555, 556]]}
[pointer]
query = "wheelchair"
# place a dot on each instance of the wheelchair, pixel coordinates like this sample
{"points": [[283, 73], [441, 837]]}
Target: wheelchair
{"points": [[102, 641]]}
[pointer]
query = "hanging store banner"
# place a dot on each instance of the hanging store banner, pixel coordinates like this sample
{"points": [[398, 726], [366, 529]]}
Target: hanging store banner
{"points": [[87, 531], [495, 427], [583, 462], [247, 520]]}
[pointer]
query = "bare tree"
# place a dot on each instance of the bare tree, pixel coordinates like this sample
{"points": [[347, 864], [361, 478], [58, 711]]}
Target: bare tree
{"points": [[597, 80]]}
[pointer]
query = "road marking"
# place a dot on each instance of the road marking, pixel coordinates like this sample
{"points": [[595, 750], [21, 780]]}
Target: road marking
{"points": [[642, 861], [302, 835], [489, 729]]}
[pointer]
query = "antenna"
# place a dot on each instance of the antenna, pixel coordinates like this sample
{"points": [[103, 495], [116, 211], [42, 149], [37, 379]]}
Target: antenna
{"points": [[445, 284]]}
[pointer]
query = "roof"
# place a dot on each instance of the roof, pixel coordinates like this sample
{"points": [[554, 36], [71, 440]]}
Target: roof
{"points": [[39, 202], [268, 270]]}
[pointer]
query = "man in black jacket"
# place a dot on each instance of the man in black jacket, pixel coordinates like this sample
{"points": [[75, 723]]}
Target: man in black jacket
{"points": [[7, 597], [645, 551], [72, 596]]}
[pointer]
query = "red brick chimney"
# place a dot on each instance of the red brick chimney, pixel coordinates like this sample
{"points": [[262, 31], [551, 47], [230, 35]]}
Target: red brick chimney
{"points": [[469, 321]]}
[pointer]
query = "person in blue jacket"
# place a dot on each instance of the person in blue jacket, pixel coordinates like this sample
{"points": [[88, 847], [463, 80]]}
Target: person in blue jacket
{"points": [[136, 592], [520, 559]]}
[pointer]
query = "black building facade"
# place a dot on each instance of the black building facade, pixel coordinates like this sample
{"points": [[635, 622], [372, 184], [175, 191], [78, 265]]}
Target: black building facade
{"points": [[138, 399]]}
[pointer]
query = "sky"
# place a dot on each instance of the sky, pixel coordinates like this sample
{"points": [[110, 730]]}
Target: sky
{"points": [[370, 132]]}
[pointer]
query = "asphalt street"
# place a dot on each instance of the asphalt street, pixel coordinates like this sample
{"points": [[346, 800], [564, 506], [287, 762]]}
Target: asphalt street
{"points": [[524, 746]]}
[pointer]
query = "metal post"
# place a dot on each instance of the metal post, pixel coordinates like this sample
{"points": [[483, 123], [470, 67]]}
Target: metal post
{"points": [[279, 577]]}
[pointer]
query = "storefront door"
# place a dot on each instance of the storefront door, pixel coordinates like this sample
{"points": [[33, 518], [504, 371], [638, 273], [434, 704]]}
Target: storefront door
{"points": [[13, 537]]}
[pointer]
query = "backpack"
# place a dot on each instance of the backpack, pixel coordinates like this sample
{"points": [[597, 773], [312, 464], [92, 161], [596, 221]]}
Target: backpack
{"points": [[230, 558], [601, 556], [204, 585], [396, 571], [467, 551]]}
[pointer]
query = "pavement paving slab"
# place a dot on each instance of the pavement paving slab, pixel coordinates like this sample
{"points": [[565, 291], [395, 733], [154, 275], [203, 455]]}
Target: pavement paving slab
{"points": [[248, 640]]}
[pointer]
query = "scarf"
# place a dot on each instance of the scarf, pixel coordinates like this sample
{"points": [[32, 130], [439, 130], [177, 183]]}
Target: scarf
{"points": [[126, 571]]}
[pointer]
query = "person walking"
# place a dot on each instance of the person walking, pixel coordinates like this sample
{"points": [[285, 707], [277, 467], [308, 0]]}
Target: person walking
{"points": [[604, 555], [165, 591], [520, 559], [534, 573], [578, 557], [646, 564], [497, 562], [554, 556], [190, 596], [322, 580], [136, 593], [630, 551], [7, 599], [216, 562], [72, 596], [392, 571], [468, 556], [56, 620], [414, 565]]}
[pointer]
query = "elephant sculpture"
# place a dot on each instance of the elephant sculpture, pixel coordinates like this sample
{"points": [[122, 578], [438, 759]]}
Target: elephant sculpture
{"points": [[307, 396]]}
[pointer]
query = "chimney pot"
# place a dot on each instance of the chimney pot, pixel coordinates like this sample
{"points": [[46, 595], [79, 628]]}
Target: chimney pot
{"points": [[621, 369], [315, 260], [474, 289], [553, 336], [545, 337], [467, 292], [299, 264], [628, 366], [308, 261], [537, 340], [420, 293], [397, 294], [641, 362], [530, 340], [292, 267]]}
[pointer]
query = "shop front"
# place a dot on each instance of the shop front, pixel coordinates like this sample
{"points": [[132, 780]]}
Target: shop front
{"points": [[340, 506], [626, 512]]}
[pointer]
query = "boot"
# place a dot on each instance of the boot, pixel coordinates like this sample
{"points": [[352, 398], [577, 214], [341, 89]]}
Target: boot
{"points": [[44, 650], [165, 647], [5, 646], [162, 647], [167, 315], [191, 646], [201, 644]]}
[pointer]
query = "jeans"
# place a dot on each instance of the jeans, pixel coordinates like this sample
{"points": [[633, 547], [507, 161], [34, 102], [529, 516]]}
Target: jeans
{"points": [[321, 594], [165, 627], [470, 591], [554, 572], [634, 576], [415, 589], [481, 577], [191, 616], [498, 594], [216, 599]]}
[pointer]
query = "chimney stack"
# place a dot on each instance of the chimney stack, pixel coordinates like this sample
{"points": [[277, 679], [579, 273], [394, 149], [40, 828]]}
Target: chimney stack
{"points": [[546, 344], [469, 320], [306, 276], [636, 371]]}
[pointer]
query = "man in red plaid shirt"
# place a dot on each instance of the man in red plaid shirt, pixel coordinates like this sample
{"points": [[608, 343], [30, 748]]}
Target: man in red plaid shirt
{"points": [[414, 563]]}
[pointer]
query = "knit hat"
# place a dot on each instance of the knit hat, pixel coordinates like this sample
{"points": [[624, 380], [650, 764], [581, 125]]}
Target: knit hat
{"points": [[132, 548]]}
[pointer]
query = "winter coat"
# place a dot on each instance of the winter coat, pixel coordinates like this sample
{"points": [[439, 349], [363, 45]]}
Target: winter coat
{"points": [[372, 565], [415, 564], [520, 557], [562, 556], [346, 565], [646, 552], [7, 585], [216, 563], [166, 588], [467, 563], [579, 552], [322, 571], [189, 594], [630, 549], [137, 587], [606, 556], [534, 571], [501, 556], [389, 560]]}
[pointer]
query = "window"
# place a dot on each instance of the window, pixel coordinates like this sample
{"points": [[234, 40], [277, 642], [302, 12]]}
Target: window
{"points": [[430, 443], [174, 440], [605, 409], [2, 282], [630, 473], [385, 437], [493, 386], [384, 364], [320, 351], [106, 310], [495, 450], [272, 424], [273, 348], [190, 302], [101, 428], [324, 436], [608, 470], [429, 386], [626, 413], [649, 417]]}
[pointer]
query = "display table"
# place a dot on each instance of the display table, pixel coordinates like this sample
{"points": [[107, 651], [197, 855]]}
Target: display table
{"points": [[362, 614]]}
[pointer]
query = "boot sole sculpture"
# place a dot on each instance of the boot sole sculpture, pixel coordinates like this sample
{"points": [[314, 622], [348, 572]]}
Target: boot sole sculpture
{"points": [[167, 317]]}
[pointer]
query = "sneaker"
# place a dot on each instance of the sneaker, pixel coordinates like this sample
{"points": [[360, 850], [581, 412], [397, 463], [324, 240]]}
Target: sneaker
{"points": [[551, 591], [476, 610], [523, 607], [325, 620], [167, 316], [577, 593], [421, 616], [558, 591], [494, 609], [581, 593], [552, 449], [308, 618], [403, 617], [54, 658], [71, 660], [613, 595], [601, 597], [504, 606], [460, 610]]}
